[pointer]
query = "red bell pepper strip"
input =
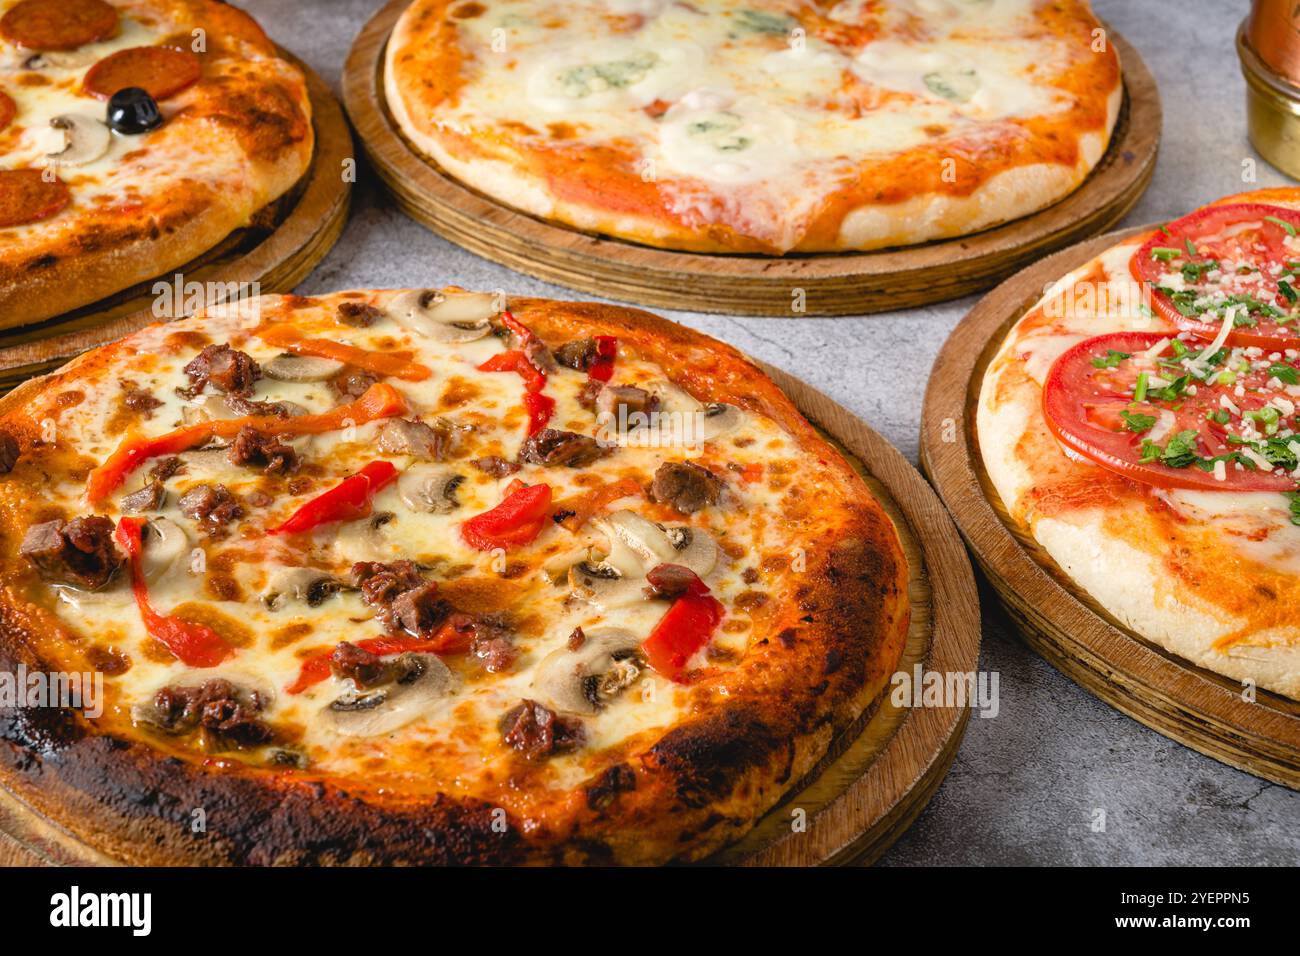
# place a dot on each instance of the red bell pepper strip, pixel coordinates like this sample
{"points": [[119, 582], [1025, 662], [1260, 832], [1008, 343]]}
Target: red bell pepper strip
{"points": [[379, 401], [193, 644], [349, 499], [452, 638], [397, 364], [519, 519], [540, 407], [602, 367], [683, 630], [516, 361]]}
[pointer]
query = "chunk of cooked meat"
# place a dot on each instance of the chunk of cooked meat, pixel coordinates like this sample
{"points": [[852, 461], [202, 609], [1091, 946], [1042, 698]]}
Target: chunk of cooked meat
{"points": [[590, 392], [495, 466], [493, 642], [79, 552], [669, 581], [685, 486], [217, 706], [418, 610], [403, 436], [537, 732], [367, 670], [137, 399], [8, 452], [245, 406], [166, 468], [359, 315], [580, 354], [553, 447], [352, 382], [213, 506], [620, 402], [381, 582], [148, 498], [404, 599], [252, 447], [226, 369], [538, 354]]}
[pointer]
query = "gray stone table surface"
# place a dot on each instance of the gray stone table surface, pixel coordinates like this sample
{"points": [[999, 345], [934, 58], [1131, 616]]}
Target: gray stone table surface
{"points": [[1026, 784]]}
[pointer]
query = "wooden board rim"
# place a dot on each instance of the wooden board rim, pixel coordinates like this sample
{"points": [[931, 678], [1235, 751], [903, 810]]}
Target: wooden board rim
{"points": [[834, 284], [860, 823], [277, 263], [1174, 697]]}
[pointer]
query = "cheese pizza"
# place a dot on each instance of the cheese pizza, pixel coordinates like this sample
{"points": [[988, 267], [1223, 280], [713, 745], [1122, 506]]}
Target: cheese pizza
{"points": [[759, 126], [134, 136], [1142, 423], [426, 576]]}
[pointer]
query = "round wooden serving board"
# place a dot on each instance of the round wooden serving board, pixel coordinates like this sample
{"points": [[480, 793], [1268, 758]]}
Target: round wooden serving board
{"points": [[277, 251], [877, 777], [1186, 703], [834, 284]]}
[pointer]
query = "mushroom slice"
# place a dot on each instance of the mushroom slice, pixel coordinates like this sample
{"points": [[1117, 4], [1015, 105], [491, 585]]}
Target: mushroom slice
{"points": [[288, 585], [631, 534], [288, 367], [213, 408], [603, 586], [430, 489], [387, 708], [449, 317], [719, 418], [83, 139], [696, 548], [586, 680], [365, 539], [166, 548]]}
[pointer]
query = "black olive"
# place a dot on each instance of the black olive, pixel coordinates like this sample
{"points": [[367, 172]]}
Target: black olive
{"points": [[133, 111]]}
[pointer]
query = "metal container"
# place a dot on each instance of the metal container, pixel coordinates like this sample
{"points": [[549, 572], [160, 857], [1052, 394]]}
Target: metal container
{"points": [[1269, 46]]}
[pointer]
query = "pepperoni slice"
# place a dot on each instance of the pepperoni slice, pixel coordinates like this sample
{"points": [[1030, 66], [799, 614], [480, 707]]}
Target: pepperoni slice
{"points": [[1239, 256], [58, 24], [1174, 417], [161, 71], [7, 109], [25, 196]]}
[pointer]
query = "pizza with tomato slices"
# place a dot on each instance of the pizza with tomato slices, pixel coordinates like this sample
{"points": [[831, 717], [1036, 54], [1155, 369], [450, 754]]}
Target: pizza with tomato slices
{"points": [[1142, 423], [135, 135], [429, 576], [759, 126]]}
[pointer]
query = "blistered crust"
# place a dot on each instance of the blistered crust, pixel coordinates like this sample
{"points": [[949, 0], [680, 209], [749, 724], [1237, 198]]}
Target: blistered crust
{"points": [[753, 733]]}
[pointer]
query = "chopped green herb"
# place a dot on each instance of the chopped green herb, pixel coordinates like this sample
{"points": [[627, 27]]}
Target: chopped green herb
{"points": [[1290, 229], [1140, 390], [1286, 374], [1137, 422], [1111, 359]]}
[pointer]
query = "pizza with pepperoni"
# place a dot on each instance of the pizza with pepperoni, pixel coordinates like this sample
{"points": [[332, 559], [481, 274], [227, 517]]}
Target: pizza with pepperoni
{"points": [[135, 135]]}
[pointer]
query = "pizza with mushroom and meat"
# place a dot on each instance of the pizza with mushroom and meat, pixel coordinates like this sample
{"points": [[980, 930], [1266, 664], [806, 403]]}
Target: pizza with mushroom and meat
{"points": [[412, 577], [135, 135], [1142, 423], [759, 126]]}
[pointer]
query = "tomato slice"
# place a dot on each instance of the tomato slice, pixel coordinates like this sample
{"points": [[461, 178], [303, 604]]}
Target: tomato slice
{"points": [[1242, 255], [1174, 417]]}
